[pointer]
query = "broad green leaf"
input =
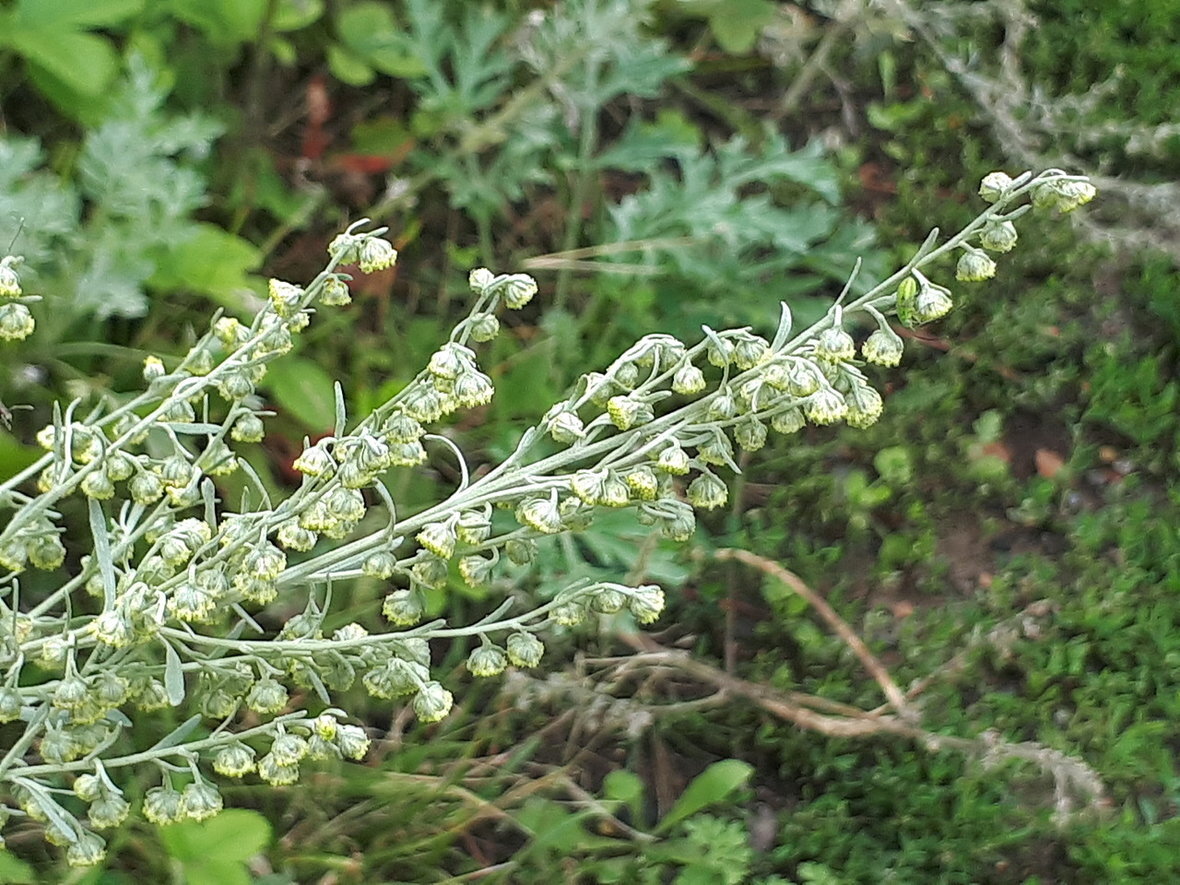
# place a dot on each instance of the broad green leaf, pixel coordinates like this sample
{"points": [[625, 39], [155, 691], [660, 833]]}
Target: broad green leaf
{"points": [[83, 62], [715, 784], [212, 262], [235, 835], [736, 23], [292, 15], [369, 30], [224, 21], [14, 871], [348, 68], [61, 14], [303, 389]]}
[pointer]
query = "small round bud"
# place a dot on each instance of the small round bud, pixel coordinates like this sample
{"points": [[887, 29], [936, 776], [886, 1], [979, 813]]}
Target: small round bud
{"points": [[87, 850], [688, 380], [345, 248], [825, 406], [335, 293], [352, 741], [403, 608], [540, 514], [524, 649], [479, 280], [200, 801], [9, 279], [642, 482], [275, 773], [288, 749], [883, 348], [646, 603], [293, 536], [16, 321], [973, 267], [376, 254], [749, 351], [439, 538], [267, 696], [835, 345], [162, 805], [235, 760], [566, 427], [999, 236], [432, 702], [473, 389], [707, 492], [450, 361], [108, 811], [750, 434], [476, 570], [517, 290], [379, 565], [484, 327], [145, 488], [932, 303], [994, 185], [864, 406], [568, 614], [96, 485], [608, 601], [487, 660], [153, 368], [673, 460]]}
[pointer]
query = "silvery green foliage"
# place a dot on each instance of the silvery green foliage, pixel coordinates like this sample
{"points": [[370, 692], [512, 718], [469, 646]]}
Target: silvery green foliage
{"points": [[161, 612], [97, 237]]}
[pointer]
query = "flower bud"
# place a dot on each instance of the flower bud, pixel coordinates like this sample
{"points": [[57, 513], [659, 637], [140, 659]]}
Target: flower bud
{"points": [[706, 492], [335, 293], [883, 348], [487, 660], [568, 614], [234, 760], [97, 486], [517, 290], [608, 601], [524, 649], [376, 254], [750, 434], [162, 805], [352, 742], [484, 327], [86, 850], [749, 351], [9, 279], [540, 514], [803, 377], [16, 321], [200, 801], [380, 564], [834, 345], [479, 280], [933, 303], [688, 380], [673, 460], [566, 427], [430, 571], [267, 696], [439, 538], [284, 297], [473, 389], [999, 236], [403, 608], [973, 267], [646, 603], [293, 536], [825, 406], [476, 570], [642, 482], [275, 773], [521, 551], [994, 185], [108, 811], [864, 406], [432, 702]]}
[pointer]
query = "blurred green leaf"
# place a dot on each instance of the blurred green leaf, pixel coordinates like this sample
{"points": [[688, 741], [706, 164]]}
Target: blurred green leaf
{"points": [[60, 14], [715, 784], [83, 62], [369, 30], [305, 390], [213, 852], [213, 262]]}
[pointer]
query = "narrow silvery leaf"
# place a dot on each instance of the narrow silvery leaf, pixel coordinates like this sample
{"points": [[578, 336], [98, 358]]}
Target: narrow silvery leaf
{"points": [[102, 552], [173, 675]]}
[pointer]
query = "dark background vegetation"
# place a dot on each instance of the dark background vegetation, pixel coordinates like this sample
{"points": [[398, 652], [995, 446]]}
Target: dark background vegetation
{"points": [[167, 157]]}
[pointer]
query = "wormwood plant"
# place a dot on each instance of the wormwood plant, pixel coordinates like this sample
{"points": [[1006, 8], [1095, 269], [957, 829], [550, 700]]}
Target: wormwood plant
{"points": [[170, 604]]}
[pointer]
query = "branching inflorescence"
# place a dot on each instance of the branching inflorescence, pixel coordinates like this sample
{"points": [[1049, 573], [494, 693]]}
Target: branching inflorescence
{"points": [[158, 613]]}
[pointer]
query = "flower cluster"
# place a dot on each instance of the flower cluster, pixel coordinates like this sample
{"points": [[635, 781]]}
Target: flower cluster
{"points": [[164, 610]]}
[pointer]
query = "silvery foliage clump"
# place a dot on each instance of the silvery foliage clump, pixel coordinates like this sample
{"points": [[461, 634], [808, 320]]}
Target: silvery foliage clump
{"points": [[161, 612]]}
